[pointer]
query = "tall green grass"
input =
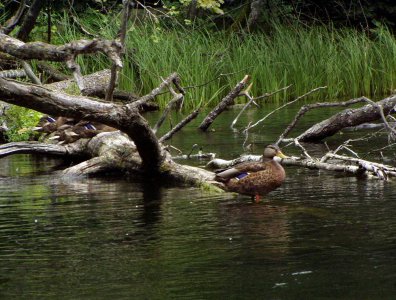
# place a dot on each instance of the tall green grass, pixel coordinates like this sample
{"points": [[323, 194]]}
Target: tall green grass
{"points": [[351, 63]]}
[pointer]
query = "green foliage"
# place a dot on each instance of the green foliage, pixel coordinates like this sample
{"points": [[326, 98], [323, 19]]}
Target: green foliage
{"points": [[350, 62], [211, 5], [20, 121]]}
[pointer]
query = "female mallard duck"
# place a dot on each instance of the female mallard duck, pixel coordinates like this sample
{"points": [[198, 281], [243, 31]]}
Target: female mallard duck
{"points": [[255, 178]]}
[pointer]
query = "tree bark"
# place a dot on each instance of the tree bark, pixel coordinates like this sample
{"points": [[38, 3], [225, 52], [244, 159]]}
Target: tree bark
{"points": [[65, 53], [15, 19], [30, 19], [347, 118], [124, 117], [256, 11], [226, 101]]}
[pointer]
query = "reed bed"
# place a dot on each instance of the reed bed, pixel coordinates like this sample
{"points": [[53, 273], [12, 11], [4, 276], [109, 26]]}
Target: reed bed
{"points": [[350, 63]]}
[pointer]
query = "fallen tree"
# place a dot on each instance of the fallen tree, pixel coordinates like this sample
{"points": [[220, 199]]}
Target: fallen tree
{"points": [[135, 148], [138, 151], [372, 111]]}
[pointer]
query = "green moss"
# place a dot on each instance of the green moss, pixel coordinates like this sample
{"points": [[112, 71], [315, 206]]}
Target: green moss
{"points": [[208, 187], [72, 89]]}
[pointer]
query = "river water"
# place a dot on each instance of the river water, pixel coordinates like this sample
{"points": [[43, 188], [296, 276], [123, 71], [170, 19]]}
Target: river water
{"points": [[320, 236]]}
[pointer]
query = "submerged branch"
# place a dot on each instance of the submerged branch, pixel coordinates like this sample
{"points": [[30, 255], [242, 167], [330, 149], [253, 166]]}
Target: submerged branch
{"points": [[180, 125]]}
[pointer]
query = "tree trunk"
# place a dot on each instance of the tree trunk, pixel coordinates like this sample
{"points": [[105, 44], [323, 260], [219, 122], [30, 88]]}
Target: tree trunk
{"points": [[30, 19], [256, 11]]}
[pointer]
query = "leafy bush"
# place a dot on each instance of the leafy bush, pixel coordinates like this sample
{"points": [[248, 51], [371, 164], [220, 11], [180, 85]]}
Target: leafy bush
{"points": [[20, 122]]}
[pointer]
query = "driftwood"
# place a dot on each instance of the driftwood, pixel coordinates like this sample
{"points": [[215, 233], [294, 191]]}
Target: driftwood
{"points": [[53, 73], [344, 119], [121, 37], [64, 53], [96, 85], [358, 167], [16, 73], [139, 150]]}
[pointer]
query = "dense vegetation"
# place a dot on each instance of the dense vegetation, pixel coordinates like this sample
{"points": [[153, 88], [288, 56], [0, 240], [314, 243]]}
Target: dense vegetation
{"points": [[353, 54], [350, 62]]}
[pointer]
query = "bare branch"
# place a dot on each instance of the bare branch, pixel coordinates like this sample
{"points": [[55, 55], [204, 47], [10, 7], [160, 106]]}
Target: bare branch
{"points": [[179, 126], [31, 147], [252, 99], [155, 92], [283, 106], [226, 101], [177, 101], [121, 36], [29, 72], [304, 109], [15, 19], [44, 51], [343, 119], [13, 73]]}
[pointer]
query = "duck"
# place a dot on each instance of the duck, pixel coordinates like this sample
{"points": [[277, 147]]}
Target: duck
{"points": [[48, 124], [82, 130], [255, 179]]}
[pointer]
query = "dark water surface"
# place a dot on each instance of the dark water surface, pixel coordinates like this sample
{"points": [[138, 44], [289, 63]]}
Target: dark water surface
{"points": [[320, 236]]}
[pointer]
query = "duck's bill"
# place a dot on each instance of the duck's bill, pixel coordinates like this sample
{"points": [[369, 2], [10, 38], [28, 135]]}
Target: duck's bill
{"points": [[281, 155]]}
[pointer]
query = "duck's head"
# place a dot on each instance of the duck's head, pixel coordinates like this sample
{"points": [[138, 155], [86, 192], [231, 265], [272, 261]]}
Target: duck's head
{"points": [[271, 151]]}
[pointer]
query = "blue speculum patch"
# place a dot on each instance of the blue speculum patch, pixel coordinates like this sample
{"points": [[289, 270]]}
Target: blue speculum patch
{"points": [[90, 127], [242, 175]]}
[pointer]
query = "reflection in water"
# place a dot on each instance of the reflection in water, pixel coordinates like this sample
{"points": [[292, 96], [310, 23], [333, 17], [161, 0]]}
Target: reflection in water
{"points": [[319, 236]]}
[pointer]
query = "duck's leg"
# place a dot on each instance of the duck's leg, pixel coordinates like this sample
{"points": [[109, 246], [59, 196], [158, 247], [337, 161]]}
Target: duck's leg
{"points": [[256, 198]]}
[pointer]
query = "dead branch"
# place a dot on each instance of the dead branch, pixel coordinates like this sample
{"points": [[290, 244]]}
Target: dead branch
{"points": [[179, 126], [29, 72], [253, 99], [121, 36], [61, 53], [177, 101], [52, 72], [346, 118], [155, 92], [15, 19], [283, 106], [226, 101], [13, 73], [29, 19], [304, 109], [39, 148]]}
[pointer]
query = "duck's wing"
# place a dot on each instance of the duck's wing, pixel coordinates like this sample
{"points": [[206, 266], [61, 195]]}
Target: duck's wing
{"points": [[241, 169]]}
